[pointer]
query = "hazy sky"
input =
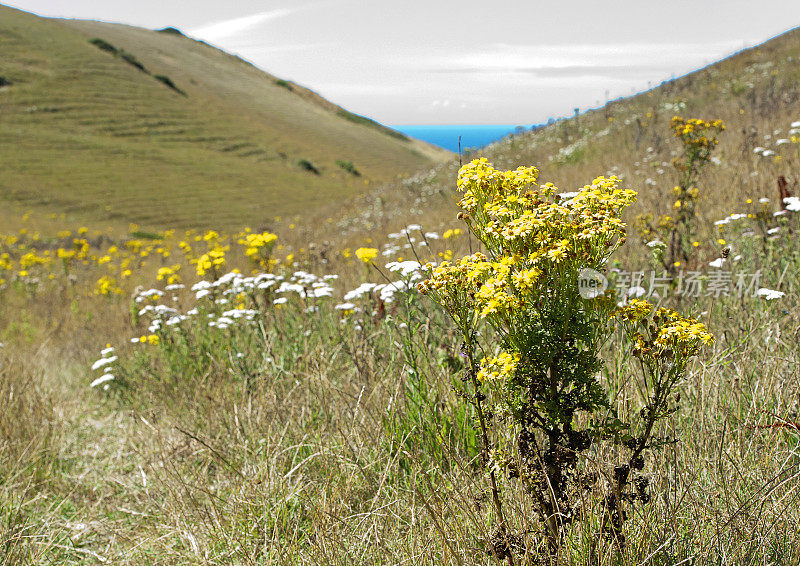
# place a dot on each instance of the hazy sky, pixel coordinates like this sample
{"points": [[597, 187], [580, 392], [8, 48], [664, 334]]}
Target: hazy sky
{"points": [[465, 61]]}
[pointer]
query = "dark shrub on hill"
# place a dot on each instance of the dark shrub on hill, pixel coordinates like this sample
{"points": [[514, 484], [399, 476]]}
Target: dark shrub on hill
{"points": [[4, 81], [103, 44], [348, 166], [129, 58], [306, 165], [171, 31], [283, 83], [168, 82], [121, 53]]}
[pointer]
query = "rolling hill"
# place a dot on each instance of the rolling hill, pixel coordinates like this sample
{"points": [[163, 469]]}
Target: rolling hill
{"points": [[115, 124]]}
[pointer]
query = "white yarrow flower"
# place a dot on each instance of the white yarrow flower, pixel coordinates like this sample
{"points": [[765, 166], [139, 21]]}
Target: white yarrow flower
{"points": [[717, 262], [792, 204], [102, 379], [104, 362], [770, 294], [406, 268], [359, 291]]}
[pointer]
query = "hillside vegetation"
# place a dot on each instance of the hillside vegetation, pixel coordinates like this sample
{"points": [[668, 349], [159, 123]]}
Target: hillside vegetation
{"points": [[115, 124], [317, 396]]}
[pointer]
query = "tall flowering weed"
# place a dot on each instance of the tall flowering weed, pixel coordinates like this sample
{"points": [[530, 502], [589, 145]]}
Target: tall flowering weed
{"points": [[676, 231], [535, 383]]}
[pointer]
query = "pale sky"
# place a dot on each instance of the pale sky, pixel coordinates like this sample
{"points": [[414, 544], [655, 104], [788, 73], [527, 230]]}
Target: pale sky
{"points": [[465, 61]]}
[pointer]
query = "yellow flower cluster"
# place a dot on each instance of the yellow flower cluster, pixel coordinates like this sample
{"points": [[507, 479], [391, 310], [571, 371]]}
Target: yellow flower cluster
{"points": [[151, 339], [257, 247], [495, 298], [634, 311], [453, 285], [169, 274], [663, 331], [6, 264], [479, 181], [498, 367], [107, 286], [211, 261], [366, 254], [30, 259], [468, 271], [255, 243], [676, 329], [508, 210], [34, 258], [533, 236], [697, 132]]}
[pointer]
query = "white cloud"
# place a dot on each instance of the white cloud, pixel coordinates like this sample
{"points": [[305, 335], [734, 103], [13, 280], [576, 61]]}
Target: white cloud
{"points": [[259, 50], [229, 28], [546, 57], [361, 88]]}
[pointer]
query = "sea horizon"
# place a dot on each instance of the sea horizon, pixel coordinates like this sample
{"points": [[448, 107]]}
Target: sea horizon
{"points": [[473, 136]]}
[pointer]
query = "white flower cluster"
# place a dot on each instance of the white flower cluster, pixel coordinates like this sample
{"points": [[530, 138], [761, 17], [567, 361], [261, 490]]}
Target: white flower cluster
{"points": [[729, 219], [410, 272], [104, 364]]}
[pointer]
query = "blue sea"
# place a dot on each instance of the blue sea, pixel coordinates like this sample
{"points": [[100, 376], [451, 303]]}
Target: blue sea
{"points": [[447, 136]]}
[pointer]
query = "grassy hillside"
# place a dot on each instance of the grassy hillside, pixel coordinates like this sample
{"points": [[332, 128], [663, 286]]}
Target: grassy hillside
{"points": [[159, 129]]}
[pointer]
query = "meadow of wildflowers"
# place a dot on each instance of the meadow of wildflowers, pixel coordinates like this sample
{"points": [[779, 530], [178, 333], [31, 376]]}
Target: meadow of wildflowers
{"points": [[402, 385]]}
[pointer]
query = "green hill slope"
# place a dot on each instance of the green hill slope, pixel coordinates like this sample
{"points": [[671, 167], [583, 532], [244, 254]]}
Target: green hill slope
{"points": [[117, 124]]}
